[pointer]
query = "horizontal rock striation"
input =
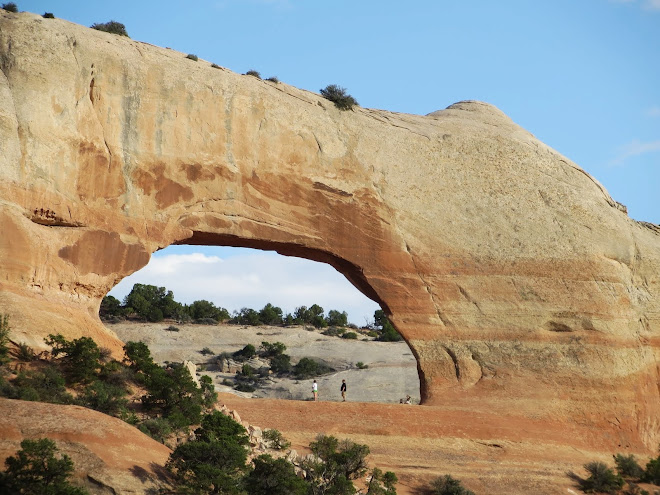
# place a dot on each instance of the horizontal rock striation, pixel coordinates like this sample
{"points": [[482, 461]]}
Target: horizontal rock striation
{"points": [[518, 282]]}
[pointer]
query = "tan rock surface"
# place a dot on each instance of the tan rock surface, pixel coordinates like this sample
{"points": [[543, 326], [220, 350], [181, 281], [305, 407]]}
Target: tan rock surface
{"points": [[107, 453], [519, 284]]}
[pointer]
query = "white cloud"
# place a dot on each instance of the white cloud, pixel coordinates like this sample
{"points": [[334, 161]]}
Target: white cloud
{"points": [[252, 280], [635, 148]]}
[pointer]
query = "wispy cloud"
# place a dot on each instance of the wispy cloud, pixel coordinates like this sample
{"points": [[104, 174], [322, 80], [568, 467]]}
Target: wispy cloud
{"points": [[653, 112], [252, 280], [645, 4], [635, 148]]}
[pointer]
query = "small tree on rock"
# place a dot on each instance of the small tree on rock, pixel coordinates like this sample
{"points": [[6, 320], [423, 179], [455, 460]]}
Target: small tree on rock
{"points": [[113, 27]]}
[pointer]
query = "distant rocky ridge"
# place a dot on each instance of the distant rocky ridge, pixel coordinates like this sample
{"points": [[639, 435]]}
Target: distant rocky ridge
{"points": [[520, 285]]}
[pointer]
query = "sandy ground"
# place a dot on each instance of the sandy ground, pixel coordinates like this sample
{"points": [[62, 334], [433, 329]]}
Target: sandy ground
{"points": [[390, 376]]}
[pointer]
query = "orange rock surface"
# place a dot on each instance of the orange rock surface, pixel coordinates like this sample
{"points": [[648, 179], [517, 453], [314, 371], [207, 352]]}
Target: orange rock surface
{"points": [[521, 286]]}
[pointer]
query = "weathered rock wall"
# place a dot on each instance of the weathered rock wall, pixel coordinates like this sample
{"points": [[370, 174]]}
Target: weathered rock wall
{"points": [[518, 282]]}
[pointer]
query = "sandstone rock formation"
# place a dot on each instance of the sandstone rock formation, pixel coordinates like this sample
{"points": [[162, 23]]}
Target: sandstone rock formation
{"points": [[518, 282], [109, 455]]}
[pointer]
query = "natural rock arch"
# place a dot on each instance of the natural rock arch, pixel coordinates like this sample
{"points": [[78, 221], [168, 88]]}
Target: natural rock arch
{"points": [[517, 281]]}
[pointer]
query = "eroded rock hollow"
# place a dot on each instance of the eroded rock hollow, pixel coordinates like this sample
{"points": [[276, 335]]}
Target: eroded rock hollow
{"points": [[520, 284]]}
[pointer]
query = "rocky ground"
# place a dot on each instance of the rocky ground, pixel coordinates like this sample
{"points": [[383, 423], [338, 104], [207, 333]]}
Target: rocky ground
{"points": [[390, 376]]}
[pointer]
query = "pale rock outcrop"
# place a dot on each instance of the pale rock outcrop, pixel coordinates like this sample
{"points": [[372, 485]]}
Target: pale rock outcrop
{"points": [[520, 285], [192, 369]]}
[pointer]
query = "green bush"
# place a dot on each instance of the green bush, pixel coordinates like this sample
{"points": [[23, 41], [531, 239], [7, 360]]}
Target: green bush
{"points": [[272, 349], [382, 483], [601, 479], [248, 352], [253, 73], [172, 328], [275, 439], [48, 15], [350, 336], [308, 368], [10, 7], [361, 365], [37, 469], [4, 339], [206, 351], [339, 96], [106, 398], [193, 57], [47, 385], [280, 363], [157, 428], [334, 465], [627, 466], [113, 27], [215, 461], [446, 485], [80, 357], [274, 477], [273, 79], [215, 66], [652, 472]]}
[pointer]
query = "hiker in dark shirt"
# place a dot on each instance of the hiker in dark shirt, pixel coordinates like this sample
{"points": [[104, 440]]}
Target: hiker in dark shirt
{"points": [[343, 390]]}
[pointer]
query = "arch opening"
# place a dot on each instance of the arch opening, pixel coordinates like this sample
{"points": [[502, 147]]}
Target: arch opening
{"points": [[375, 371]]}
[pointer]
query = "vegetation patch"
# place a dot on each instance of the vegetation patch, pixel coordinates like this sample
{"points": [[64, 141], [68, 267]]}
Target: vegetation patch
{"points": [[112, 27], [339, 96]]}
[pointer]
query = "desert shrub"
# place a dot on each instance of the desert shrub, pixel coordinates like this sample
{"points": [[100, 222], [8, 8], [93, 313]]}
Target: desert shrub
{"points": [[248, 352], [349, 335], [339, 96], [10, 7], [215, 66], [4, 338], [274, 477], [80, 358], [227, 382], [446, 485], [206, 351], [172, 328], [206, 310], [601, 479], [275, 439], [113, 27], [273, 79], [272, 349], [372, 333], [157, 428], [627, 466], [244, 387], [382, 483], [192, 57], [47, 385], [308, 368], [48, 15], [334, 465], [652, 471], [361, 365], [38, 469], [280, 363], [253, 73], [334, 331], [104, 397]]}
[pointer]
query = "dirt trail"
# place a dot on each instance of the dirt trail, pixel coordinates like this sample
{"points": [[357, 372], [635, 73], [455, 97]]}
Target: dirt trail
{"points": [[489, 453]]}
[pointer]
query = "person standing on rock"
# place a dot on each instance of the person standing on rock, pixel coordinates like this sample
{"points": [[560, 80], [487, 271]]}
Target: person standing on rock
{"points": [[315, 391], [342, 389]]}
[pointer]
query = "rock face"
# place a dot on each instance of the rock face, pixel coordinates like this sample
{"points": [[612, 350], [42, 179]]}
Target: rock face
{"points": [[109, 455], [517, 281]]}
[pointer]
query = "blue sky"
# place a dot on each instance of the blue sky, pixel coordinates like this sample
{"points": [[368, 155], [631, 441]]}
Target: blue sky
{"points": [[583, 76]]}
